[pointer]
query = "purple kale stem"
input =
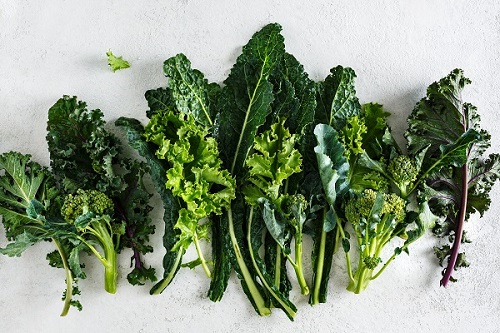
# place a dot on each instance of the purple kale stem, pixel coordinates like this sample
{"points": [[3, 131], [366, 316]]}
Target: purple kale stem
{"points": [[459, 228], [130, 234]]}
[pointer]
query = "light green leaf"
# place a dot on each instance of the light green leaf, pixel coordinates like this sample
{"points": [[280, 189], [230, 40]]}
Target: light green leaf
{"points": [[116, 63], [22, 242]]}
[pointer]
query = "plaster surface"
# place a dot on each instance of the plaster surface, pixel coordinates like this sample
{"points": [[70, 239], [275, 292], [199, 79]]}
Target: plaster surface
{"points": [[51, 48]]}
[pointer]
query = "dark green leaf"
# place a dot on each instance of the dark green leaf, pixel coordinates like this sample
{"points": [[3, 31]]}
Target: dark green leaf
{"points": [[333, 166], [158, 172], [247, 96], [191, 91], [337, 99], [159, 99], [82, 151], [276, 228]]}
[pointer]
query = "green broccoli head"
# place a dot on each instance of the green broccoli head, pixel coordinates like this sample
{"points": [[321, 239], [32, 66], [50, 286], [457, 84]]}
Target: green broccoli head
{"points": [[404, 171], [83, 202], [359, 209]]}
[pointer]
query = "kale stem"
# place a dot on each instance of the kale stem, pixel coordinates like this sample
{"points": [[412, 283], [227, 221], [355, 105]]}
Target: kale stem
{"points": [[304, 288], [110, 264], [158, 289], [257, 298], [200, 255], [277, 267], [69, 278], [319, 268], [347, 256], [290, 312], [459, 228]]}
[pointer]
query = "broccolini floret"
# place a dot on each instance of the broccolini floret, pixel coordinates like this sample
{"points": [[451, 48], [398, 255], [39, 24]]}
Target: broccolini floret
{"points": [[404, 172], [85, 202], [359, 209], [89, 211], [374, 217]]}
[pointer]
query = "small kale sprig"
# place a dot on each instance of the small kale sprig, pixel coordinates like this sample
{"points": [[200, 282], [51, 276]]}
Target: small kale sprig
{"points": [[30, 208], [85, 155]]}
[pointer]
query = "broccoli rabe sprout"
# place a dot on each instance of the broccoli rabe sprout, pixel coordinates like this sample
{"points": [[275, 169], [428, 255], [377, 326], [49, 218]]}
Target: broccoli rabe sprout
{"points": [[85, 202], [374, 217], [88, 212], [404, 172]]}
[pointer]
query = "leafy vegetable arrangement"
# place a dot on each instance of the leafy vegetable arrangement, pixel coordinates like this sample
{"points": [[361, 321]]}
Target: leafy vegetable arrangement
{"points": [[93, 198], [290, 158], [254, 166]]}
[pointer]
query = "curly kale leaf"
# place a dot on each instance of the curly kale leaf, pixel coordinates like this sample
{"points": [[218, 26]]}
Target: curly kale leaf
{"points": [[274, 160], [116, 63], [85, 155], [82, 151], [194, 174], [449, 130], [133, 207]]}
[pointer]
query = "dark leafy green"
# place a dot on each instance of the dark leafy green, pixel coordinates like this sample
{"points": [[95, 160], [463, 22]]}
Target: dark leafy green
{"points": [[460, 185]]}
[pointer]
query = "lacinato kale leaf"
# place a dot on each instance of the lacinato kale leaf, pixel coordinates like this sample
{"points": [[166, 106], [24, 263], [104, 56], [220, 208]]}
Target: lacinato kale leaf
{"points": [[158, 171], [190, 90], [246, 97]]}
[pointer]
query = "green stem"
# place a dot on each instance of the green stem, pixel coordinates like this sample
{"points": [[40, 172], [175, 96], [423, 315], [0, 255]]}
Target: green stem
{"points": [[202, 258], [110, 271], [69, 278], [93, 250], [318, 276], [347, 256], [304, 288], [383, 267], [158, 289], [290, 312], [277, 267], [257, 298], [110, 264], [362, 278]]}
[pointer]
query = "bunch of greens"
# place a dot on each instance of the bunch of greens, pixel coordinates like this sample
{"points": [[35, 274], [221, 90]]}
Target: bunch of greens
{"points": [[254, 181], [271, 156], [392, 195], [92, 198], [254, 166]]}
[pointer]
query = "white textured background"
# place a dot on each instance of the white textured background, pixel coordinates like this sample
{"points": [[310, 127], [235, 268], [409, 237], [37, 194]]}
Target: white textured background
{"points": [[50, 48]]}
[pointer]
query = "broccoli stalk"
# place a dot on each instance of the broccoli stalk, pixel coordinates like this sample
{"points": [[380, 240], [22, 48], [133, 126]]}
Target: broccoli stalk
{"points": [[88, 212], [375, 218]]}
